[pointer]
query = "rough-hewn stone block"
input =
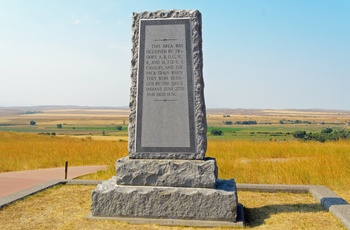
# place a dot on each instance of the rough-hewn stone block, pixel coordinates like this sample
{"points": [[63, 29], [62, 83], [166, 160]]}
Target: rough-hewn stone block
{"points": [[109, 199], [169, 173]]}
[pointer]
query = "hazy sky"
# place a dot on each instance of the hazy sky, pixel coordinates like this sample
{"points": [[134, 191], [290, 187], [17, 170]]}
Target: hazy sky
{"points": [[257, 54]]}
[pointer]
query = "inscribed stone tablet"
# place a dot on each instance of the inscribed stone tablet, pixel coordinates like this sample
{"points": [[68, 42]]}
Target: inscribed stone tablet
{"points": [[167, 117], [165, 113]]}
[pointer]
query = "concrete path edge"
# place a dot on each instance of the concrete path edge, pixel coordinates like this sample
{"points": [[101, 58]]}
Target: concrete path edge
{"points": [[326, 197]]}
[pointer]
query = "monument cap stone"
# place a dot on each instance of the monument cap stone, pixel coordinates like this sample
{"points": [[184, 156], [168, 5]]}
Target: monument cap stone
{"points": [[168, 118]]}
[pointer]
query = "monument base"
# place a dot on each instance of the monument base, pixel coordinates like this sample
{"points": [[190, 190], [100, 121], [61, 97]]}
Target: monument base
{"points": [[167, 172], [178, 222], [112, 200]]}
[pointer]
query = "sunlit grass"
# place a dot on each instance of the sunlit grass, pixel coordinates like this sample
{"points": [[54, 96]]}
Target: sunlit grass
{"points": [[292, 162], [21, 151], [281, 162], [54, 209], [277, 162]]}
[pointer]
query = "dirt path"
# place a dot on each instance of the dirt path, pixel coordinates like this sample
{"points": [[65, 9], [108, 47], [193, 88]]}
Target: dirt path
{"points": [[12, 182]]}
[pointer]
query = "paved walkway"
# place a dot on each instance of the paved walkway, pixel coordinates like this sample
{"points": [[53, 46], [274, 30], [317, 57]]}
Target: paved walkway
{"points": [[12, 182]]}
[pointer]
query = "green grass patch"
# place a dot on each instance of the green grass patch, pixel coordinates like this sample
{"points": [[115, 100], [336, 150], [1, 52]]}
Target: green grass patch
{"points": [[269, 132]]}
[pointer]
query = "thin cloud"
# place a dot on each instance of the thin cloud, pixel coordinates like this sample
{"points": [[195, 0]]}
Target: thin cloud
{"points": [[75, 21], [83, 20]]}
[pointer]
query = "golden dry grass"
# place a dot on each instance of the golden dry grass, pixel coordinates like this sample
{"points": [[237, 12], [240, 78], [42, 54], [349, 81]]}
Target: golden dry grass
{"points": [[32, 151], [65, 207], [215, 117], [81, 116], [67, 116], [105, 138], [292, 162]]}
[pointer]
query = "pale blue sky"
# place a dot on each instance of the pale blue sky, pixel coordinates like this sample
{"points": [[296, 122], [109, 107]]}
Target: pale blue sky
{"points": [[257, 54]]}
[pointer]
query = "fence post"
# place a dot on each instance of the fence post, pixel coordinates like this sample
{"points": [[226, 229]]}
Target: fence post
{"points": [[66, 171]]}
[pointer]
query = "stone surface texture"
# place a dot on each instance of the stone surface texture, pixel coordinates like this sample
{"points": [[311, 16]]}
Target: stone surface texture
{"points": [[109, 199], [169, 173], [199, 103], [169, 182]]}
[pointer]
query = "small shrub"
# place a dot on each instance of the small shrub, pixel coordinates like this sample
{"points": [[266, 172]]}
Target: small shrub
{"points": [[299, 134], [327, 130], [249, 123], [216, 132]]}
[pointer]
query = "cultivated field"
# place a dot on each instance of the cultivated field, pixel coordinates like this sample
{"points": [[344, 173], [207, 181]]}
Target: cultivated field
{"points": [[103, 123]]}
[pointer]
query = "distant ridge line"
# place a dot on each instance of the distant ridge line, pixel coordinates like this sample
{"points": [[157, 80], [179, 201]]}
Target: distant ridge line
{"points": [[211, 110], [48, 107]]}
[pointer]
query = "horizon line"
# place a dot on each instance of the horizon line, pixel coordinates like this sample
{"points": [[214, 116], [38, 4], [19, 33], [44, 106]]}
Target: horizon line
{"points": [[127, 107]]}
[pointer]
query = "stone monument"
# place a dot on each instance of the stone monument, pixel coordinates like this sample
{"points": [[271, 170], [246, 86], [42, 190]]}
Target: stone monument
{"points": [[166, 175]]}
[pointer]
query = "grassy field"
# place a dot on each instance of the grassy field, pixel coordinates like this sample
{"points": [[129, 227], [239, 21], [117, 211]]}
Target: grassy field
{"points": [[262, 153], [282, 162], [263, 210], [25, 151]]}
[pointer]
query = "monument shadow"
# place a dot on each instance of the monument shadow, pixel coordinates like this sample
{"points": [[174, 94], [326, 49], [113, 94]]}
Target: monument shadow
{"points": [[255, 217]]}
